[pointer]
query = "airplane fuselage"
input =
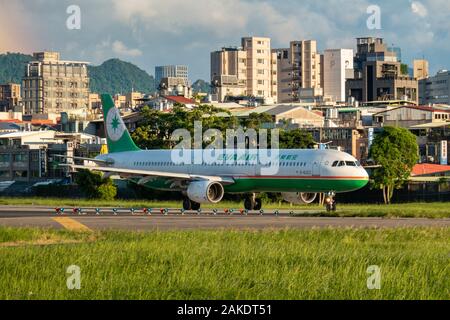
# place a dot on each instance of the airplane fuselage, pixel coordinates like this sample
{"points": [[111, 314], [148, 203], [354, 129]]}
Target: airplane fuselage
{"points": [[300, 170]]}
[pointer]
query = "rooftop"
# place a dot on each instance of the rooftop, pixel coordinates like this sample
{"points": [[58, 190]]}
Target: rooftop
{"points": [[429, 169], [180, 99]]}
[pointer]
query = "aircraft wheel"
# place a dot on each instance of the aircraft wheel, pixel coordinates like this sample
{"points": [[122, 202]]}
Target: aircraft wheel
{"points": [[187, 204], [195, 206], [258, 204], [249, 204]]}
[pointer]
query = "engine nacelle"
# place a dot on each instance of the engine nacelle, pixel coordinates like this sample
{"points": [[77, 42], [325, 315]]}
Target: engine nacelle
{"points": [[299, 197], [205, 192]]}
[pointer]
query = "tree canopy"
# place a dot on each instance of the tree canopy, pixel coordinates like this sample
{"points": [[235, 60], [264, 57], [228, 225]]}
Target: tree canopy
{"points": [[396, 151], [155, 129]]}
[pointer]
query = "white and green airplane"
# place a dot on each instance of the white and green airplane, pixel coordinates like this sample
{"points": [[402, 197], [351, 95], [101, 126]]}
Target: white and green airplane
{"points": [[300, 174]]}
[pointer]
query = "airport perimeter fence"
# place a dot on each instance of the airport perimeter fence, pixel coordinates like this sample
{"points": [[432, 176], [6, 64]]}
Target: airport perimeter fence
{"points": [[429, 192]]}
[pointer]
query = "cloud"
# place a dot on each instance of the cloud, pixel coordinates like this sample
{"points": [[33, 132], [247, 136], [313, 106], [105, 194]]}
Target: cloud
{"points": [[419, 9], [121, 49], [156, 32]]}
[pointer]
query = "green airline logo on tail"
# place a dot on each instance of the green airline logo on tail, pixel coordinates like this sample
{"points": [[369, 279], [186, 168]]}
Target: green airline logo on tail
{"points": [[117, 135]]}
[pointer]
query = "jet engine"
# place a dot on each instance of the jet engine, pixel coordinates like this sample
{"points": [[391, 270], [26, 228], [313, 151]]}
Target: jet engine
{"points": [[205, 192], [299, 197]]}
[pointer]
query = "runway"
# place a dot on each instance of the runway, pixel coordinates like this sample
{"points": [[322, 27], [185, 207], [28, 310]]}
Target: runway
{"points": [[124, 219]]}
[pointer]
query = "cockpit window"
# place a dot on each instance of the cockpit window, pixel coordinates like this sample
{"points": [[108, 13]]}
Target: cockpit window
{"points": [[341, 164], [350, 163], [335, 164]]}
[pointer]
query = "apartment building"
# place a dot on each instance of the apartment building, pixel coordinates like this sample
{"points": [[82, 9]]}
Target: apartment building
{"points": [[378, 75], [247, 71], [132, 99], [174, 86], [51, 85], [9, 96], [172, 71], [229, 73], [435, 89], [299, 67], [337, 68]]}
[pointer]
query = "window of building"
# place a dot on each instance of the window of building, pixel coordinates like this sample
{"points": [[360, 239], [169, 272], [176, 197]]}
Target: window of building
{"points": [[20, 157], [4, 158]]}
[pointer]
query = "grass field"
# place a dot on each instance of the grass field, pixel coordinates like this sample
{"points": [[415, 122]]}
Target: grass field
{"points": [[428, 210], [300, 264]]}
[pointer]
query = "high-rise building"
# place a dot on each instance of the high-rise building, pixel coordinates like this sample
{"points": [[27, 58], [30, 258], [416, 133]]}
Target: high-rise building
{"points": [[420, 69], [397, 51], [299, 67], [9, 96], [337, 68], [172, 71], [247, 71], [51, 85], [378, 75], [435, 89], [229, 72]]}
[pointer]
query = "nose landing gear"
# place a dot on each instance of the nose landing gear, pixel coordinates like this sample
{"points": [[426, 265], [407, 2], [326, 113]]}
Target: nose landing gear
{"points": [[330, 202]]}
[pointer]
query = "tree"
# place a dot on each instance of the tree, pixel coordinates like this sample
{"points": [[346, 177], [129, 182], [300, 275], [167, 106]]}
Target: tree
{"points": [[95, 186], [295, 139], [404, 68], [396, 151]]}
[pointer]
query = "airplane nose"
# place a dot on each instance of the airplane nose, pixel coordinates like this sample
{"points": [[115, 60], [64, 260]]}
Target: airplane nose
{"points": [[365, 176], [364, 173]]}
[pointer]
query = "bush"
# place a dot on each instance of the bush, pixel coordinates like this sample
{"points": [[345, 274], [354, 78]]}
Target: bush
{"points": [[107, 191], [94, 186]]}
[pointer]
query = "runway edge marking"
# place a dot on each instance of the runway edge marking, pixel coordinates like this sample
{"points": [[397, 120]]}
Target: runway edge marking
{"points": [[72, 225]]}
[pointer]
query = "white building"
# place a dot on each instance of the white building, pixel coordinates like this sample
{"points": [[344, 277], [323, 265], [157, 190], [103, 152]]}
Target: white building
{"points": [[173, 71], [337, 68], [436, 89]]}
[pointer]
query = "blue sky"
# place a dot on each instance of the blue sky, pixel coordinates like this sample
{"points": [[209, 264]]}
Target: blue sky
{"points": [[156, 32]]}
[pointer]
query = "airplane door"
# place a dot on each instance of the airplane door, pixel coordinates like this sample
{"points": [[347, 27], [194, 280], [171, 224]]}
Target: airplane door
{"points": [[316, 168]]}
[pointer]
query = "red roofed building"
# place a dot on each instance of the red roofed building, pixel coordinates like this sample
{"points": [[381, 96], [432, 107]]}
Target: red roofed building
{"points": [[426, 172], [164, 103], [427, 169]]}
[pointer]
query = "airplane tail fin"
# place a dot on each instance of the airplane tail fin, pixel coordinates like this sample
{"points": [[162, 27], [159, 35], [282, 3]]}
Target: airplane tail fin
{"points": [[117, 135]]}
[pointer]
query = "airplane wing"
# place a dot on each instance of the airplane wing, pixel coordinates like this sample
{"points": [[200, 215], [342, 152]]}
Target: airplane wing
{"points": [[146, 174], [82, 158]]}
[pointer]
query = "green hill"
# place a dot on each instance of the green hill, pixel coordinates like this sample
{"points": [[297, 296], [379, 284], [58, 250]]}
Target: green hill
{"points": [[117, 76], [201, 86], [112, 76], [12, 67]]}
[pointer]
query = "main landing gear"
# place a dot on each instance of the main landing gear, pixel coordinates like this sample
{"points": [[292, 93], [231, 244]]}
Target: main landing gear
{"points": [[188, 204], [330, 202], [252, 203]]}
